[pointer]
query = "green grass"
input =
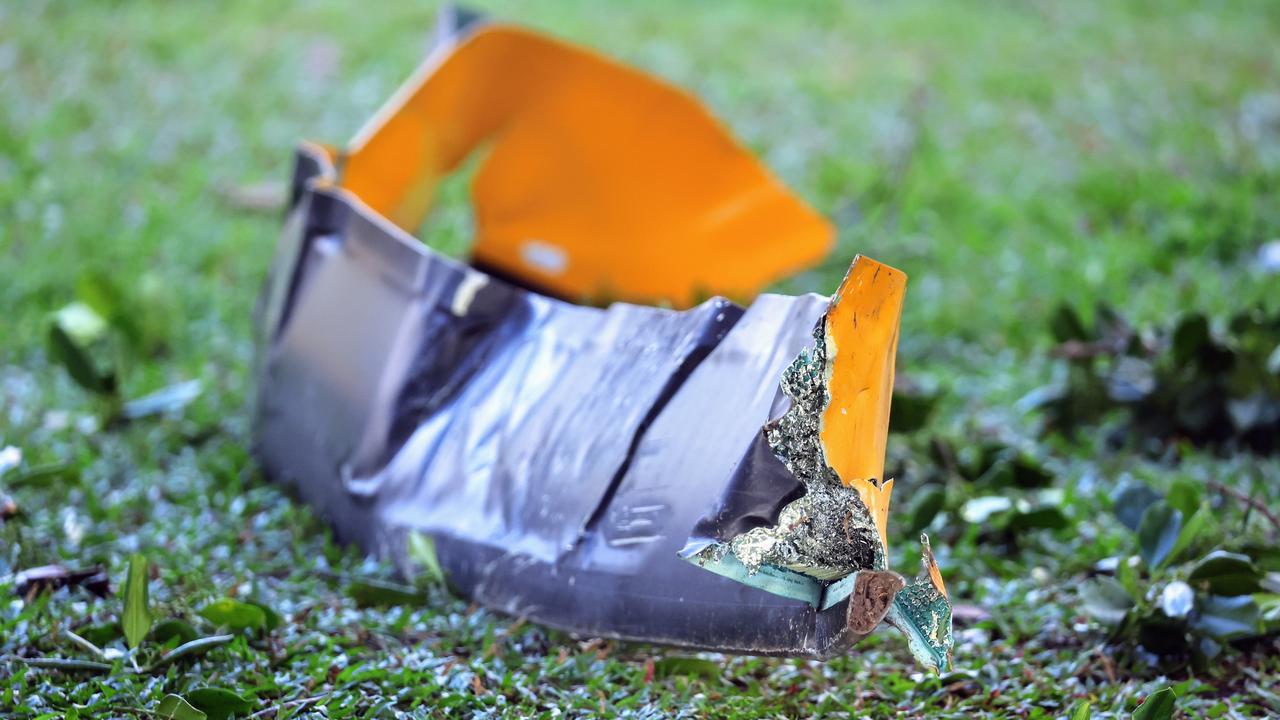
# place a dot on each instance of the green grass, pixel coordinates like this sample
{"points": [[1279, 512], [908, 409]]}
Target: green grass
{"points": [[1007, 156]]}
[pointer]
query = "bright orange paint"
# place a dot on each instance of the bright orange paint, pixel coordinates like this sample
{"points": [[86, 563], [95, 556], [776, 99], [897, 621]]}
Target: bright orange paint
{"points": [[862, 345], [601, 182], [931, 563]]}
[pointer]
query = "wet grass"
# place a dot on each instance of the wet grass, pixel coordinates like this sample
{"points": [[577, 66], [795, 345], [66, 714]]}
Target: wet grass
{"points": [[1008, 157]]}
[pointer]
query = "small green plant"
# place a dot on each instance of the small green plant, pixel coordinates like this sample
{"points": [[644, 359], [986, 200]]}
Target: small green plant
{"points": [[1156, 706], [1174, 604], [151, 648], [1213, 387], [136, 620], [103, 332], [995, 486]]}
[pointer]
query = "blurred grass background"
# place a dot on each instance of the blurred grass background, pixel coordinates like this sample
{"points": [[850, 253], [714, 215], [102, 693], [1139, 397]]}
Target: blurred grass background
{"points": [[1007, 155]]}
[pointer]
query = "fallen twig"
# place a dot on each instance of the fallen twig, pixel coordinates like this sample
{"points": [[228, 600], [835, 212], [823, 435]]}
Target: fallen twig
{"points": [[190, 648], [62, 664], [265, 712], [140, 712], [1248, 500]]}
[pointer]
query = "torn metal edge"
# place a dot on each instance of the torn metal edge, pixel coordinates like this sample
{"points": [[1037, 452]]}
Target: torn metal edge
{"points": [[794, 550]]}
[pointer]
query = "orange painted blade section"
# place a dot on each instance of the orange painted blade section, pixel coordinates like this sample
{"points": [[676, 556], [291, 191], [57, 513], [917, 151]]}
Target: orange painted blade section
{"points": [[862, 345], [601, 182], [931, 564]]}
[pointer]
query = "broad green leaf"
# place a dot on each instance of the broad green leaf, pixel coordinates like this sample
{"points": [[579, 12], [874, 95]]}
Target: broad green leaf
{"points": [[1224, 573], [687, 667], [1127, 576], [234, 614], [1079, 711], [137, 614], [379, 593], [80, 323], [1227, 618], [969, 678], [1185, 496], [273, 619], [1105, 599], [1265, 555], [1158, 532], [166, 630], [102, 633], [1131, 500], [977, 462], [152, 316], [1269, 610], [422, 550], [1157, 706], [98, 291], [142, 315], [999, 475], [177, 708], [75, 333], [1192, 529], [219, 703]]}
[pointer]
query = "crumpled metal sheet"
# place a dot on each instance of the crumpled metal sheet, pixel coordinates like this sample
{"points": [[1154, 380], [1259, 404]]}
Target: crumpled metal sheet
{"points": [[558, 454], [561, 456]]}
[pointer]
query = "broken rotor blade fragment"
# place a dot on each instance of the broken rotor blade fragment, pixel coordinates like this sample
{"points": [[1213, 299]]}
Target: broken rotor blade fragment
{"points": [[561, 455]]}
